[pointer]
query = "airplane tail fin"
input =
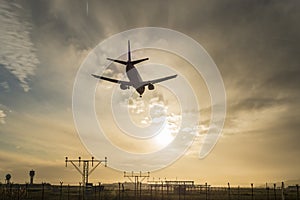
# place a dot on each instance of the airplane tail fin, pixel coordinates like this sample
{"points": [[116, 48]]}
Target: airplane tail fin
{"points": [[129, 53], [129, 58]]}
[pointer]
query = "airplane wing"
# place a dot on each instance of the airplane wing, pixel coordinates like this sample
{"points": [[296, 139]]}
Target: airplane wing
{"points": [[112, 80], [159, 80]]}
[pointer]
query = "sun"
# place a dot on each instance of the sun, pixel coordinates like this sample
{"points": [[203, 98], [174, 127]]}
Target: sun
{"points": [[164, 138], [169, 132]]}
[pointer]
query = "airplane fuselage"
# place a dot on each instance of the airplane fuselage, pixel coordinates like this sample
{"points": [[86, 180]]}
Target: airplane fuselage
{"points": [[135, 78]]}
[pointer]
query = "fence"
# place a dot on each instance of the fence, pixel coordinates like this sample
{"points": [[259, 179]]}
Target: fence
{"points": [[147, 192]]}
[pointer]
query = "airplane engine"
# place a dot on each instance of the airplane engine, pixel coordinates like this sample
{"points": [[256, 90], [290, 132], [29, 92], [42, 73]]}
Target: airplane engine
{"points": [[151, 86], [123, 87]]}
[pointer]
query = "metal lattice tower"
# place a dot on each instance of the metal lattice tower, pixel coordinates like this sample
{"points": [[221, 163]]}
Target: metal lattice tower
{"points": [[137, 182], [85, 172]]}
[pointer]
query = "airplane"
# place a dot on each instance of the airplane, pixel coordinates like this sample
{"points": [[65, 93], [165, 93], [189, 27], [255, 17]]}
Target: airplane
{"points": [[135, 80]]}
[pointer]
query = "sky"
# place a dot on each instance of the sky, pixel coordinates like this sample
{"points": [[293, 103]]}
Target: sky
{"points": [[255, 45]]}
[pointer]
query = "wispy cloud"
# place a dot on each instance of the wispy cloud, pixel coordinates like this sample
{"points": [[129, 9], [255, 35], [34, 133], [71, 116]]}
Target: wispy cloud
{"points": [[18, 54], [2, 117]]}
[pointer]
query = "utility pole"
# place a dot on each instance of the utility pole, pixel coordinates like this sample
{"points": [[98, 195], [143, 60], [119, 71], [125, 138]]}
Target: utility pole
{"points": [[85, 171]]}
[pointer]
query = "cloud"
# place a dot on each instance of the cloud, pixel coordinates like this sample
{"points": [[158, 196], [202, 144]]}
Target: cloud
{"points": [[18, 54], [254, 45], [4, 85], [258, 104], [2, 117]]}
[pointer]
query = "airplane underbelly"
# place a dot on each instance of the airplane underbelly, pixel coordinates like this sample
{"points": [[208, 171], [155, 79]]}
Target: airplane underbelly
{"points": [[134, 77]]}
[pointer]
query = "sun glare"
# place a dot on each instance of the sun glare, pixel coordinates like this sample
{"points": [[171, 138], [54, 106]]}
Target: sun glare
{"points": [[164, 138]]}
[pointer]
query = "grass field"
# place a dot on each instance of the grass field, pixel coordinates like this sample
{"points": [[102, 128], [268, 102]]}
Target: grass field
{"points": [[154, 192]]}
